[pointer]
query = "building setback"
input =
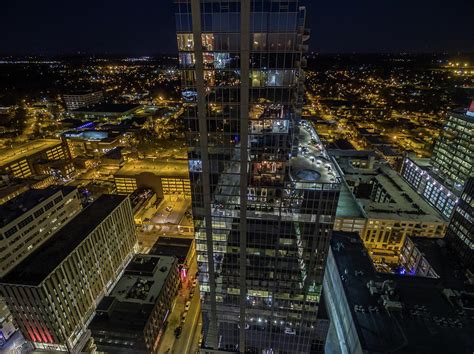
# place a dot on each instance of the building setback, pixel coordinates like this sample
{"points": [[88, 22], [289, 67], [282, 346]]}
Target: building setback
{"points": [[52, 294], [131, 318], [31, 219], [264, 190]]}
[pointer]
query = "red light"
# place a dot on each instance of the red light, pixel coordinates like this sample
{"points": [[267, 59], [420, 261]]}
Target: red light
{"points": [[471, 109], [183, 274]]}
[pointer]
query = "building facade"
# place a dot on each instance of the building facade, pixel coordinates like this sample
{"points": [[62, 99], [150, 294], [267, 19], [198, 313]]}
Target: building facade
{"points": [[18, 160], [453, 154], [430, 187], [442, 180], [460, 234], [82, 99], [264, 190], [32, 218], [53, 293], [165, 178]]}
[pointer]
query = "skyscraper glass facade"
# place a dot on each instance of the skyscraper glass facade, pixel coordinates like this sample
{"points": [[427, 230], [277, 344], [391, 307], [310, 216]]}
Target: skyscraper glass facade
{"points": [[460, 232], [453, 154], [264, 189]]}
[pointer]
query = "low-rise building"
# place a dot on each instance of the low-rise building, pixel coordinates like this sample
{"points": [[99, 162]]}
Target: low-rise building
{"points": [[52, 294], [85, 98], [106, 111], [63, 169], [170, 177], [18, 160], [132, 317], [92, 142]]}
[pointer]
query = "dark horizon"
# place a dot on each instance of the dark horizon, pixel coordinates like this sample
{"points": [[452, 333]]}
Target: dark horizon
{"points": [[147, 27]]}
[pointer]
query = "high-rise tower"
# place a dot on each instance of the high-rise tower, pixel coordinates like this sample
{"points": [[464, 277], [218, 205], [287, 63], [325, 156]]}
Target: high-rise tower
{"points": [[264, 189]]}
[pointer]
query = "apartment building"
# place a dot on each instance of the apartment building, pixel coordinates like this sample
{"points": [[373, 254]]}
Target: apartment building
{"points": [[53, 293], [30, 219]]}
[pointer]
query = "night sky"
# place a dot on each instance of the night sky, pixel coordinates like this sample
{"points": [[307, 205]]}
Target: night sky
{"points": [[146, 27]]}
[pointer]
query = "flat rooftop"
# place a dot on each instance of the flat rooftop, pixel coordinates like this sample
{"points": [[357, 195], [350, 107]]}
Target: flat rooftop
{"points": [[405, 203], [39, 264], [163, 168], [21, 204], [172, 246], [426, 321], [108, 108], [131, 302], [20, 151]]}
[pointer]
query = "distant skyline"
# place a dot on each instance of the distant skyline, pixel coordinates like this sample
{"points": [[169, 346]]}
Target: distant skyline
{"points": [[146, 27]]}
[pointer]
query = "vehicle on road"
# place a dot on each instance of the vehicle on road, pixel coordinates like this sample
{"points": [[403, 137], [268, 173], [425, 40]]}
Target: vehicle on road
{"points": [[289, 330], [188, 305], [177, 331], [194, 282], [183, 316], [169, 208]]}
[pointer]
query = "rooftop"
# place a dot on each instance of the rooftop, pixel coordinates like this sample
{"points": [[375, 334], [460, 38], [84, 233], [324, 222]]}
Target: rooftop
{"points": [[443, 260], [108, 108], [20, 151], [163, 168], [172, 246], [26, 201], [39, 264], [133, 298], [404, 201], [401, 313]]}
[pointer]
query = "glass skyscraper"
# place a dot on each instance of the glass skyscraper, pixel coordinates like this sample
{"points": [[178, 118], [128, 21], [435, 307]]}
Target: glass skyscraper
{"points": [[453, 154], [264, 189]]}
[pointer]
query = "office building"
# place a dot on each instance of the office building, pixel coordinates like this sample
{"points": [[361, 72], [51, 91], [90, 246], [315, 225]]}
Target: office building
{"points": [[82, 99], [52, 294], [460, 234], [374, 312], [420, 176], [92, 143], [18, 160], [264, 190], [392, 209], [453, 154], [441, 180], [30, 219], [131, 318]]}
